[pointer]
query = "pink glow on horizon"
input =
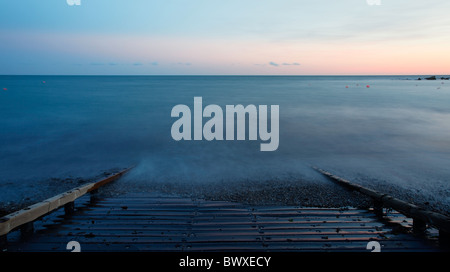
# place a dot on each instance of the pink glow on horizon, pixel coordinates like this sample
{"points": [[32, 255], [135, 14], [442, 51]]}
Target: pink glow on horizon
{"points": [[215, 56]]}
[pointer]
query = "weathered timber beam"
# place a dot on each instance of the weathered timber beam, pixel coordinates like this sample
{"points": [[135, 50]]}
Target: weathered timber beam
{"points": [[437, 220], [29, 214]]}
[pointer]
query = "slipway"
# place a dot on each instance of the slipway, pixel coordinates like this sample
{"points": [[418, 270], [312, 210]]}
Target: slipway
{"points": [[156, 222]]}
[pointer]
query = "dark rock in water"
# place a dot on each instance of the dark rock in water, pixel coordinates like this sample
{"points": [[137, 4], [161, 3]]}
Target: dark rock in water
{"points": [[445, 78], [431, 78], [419, 78]]}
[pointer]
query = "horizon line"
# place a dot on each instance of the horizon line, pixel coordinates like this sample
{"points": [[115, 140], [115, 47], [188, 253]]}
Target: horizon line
{"points": [[234, 75]]}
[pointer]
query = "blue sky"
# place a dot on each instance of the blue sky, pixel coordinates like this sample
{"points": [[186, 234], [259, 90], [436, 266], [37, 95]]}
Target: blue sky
{"points": [[224, 37]]}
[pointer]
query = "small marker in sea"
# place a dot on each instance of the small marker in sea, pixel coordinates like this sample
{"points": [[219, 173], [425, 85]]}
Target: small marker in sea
{"points": [[4, 89], [43, 82], [368, 86], [346, 86]]}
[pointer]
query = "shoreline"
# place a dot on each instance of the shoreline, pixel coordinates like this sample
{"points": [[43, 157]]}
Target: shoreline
{"points": [[286, 192]]}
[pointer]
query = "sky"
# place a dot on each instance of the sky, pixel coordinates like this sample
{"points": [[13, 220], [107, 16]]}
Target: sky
{"points": [[232, 37]]}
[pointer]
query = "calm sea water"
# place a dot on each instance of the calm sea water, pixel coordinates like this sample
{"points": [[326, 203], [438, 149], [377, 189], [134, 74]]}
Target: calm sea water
{"points": [[397, 131]]}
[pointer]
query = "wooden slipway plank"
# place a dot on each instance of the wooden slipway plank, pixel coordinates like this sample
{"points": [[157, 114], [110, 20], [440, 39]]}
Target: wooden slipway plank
{"points": [[150, 222]]}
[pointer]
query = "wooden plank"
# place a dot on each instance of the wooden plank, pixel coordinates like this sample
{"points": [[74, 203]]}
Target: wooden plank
{"points": [[107, 180], [33, 212], [198, 226], [435, 219]]}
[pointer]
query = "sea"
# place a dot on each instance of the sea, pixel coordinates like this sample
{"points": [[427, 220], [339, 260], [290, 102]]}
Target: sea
{"points": [[374, 130]]}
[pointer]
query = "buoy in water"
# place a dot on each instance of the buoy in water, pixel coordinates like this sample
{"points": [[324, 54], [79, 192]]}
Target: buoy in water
{"points": [[4, 89], [368, 86], [346, 86]]}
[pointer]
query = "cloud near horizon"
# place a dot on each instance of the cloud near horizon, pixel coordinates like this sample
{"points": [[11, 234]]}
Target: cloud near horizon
{"points": [[284, 64], [274, 64]]}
